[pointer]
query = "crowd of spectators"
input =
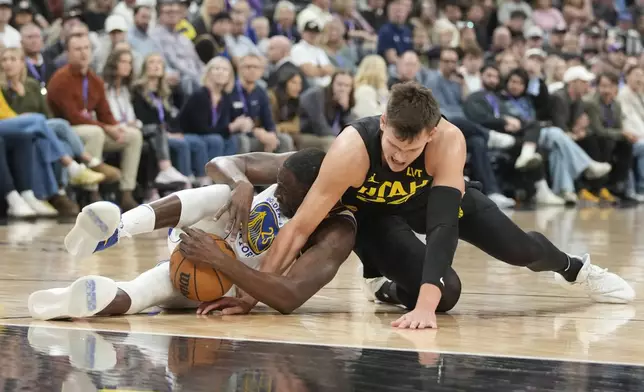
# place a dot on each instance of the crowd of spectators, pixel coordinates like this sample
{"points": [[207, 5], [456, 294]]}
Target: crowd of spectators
{"points": [[142, 93]]}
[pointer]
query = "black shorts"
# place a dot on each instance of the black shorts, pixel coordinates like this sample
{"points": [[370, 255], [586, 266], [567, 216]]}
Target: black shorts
{"points": [[388, 245]]}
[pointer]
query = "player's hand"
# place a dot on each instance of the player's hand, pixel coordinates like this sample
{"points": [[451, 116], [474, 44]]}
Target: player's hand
{"points": [[238, 208], [227, 306], [199, 247], [416, 319]]}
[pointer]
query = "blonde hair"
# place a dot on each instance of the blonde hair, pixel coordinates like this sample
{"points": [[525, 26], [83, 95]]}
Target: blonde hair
{"points": [[163, 91], [203, 12], [281, 5], [21, 57], [211, 64], [372, 71]]}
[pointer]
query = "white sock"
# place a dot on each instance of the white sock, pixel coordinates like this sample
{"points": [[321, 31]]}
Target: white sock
{"points": [[528, 149], [151, 288], [74, 168], [198, 203], [93, 162], [139, 220]]}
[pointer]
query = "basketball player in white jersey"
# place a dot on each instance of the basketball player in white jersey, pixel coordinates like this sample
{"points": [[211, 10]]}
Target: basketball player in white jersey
{"points": [[212, 209]]}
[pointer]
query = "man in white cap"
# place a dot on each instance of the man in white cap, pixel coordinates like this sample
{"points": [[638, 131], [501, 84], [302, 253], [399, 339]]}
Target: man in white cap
{"points": [[568, 100], [534, 36], [115, 31]]}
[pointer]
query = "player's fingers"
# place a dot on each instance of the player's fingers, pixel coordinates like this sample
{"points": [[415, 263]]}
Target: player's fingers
{"points": [[414, 324], [210, 307], [396, 323], [221, 211], [422, 325], [404, 323], [244, 216], [233, 310], [232, 222]]}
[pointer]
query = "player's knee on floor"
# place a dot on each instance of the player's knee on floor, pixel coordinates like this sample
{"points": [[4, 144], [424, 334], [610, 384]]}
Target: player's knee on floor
{"points": [[451, 292]]}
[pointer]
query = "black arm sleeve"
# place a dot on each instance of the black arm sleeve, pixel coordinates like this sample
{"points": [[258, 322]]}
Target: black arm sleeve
{"points": [[443, 207]]}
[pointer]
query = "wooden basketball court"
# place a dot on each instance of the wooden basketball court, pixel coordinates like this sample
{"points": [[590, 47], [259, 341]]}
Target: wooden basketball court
{"points": [[509, 322]]}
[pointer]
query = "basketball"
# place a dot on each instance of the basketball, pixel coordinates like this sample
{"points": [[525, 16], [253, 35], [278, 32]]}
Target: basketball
{"points": [[197, 281]]}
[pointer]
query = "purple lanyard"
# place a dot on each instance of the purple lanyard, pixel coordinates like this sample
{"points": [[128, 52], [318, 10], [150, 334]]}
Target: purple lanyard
{"points": [[243, 98], [160, 110], [281, 31], [215, 115], [336, 123], [85, 92], [491, 99], [34, 71]]}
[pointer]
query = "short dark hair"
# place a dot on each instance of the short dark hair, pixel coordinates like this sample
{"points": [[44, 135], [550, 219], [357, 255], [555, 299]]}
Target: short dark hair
{"points": [[610, 76], [487, 66], [412, 109], [305, 165], [473, 50]]}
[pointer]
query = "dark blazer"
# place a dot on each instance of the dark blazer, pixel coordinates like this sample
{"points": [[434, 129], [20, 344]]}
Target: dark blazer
{"points": [[478, 109], [196, 114]]}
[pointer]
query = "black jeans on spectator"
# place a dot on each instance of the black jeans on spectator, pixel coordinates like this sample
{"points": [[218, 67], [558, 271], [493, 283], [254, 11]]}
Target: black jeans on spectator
{"points": [[16, 151], [476, 140], [618, 153]]}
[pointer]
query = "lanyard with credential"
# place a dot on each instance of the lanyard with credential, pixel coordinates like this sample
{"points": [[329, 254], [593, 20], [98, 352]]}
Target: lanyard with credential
{"points": [[491, 99], [215, 115], [85, 92], [288, 33], [243, 98], [36, 74], [160, 109], [336, 123]]}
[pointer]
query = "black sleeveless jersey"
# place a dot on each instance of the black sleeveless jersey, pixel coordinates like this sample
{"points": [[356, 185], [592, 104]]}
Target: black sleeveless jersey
{"points": [[384, 190]]}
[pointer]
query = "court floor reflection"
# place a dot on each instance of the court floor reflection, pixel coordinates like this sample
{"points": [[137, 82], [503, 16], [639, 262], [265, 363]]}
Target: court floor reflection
{"points": [[41, 358]]}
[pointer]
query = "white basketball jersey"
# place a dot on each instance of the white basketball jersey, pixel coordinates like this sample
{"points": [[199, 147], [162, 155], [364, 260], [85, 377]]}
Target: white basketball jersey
{"points": [[264, 223]]}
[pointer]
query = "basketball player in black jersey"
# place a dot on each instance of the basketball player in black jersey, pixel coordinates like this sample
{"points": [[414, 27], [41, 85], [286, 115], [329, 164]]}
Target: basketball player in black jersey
{"points": [[401, 173]]}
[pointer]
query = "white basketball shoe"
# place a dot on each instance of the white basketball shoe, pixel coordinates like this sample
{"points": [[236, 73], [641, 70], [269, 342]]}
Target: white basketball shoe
{"points": [[85, 297], [96, 229], [599, 284]]}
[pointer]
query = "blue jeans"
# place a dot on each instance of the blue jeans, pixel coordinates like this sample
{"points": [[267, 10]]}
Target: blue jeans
{"points": [[203, 148], [635, 182], [17, 153], [566, 159], [180, 153], [49, 150], [71, 142]]}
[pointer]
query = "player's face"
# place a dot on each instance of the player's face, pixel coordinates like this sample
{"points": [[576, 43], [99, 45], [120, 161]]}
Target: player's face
{"points": [[289, 192], [401, 153]]}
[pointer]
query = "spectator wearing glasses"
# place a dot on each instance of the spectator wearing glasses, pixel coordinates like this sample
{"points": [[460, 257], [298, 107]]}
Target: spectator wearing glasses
{"points": [[251, 101], [177, 49], [39, 67]]}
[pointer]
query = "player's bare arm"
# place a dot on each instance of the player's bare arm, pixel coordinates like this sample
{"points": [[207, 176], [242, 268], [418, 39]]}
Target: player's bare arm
{"points": [[330, 245], [241, 173], [345, 165]]}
